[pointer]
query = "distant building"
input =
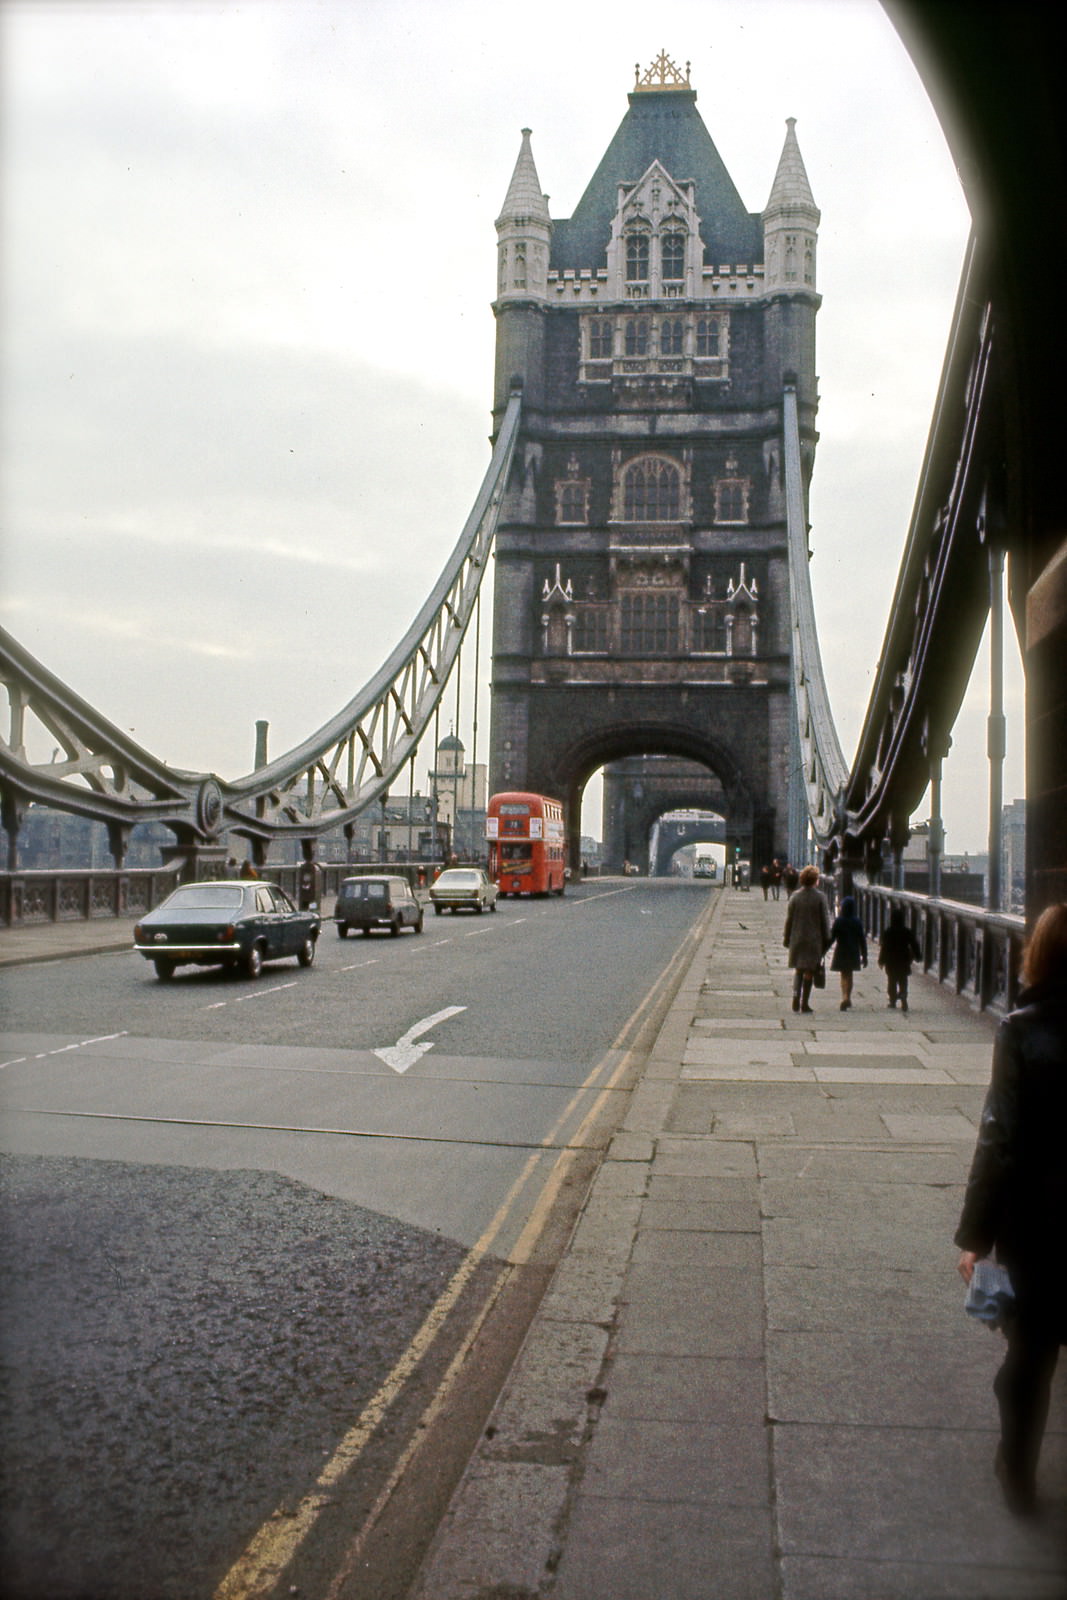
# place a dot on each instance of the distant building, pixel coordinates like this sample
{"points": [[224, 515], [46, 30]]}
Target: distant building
{"points": [[57, 841], [962, 878], [1013, 856], [461, 794]]}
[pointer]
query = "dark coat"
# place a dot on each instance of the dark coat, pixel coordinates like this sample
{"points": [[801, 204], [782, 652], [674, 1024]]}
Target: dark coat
{"points": [[897, 949], [850, 944], [807, 928], [1016, 1199]]}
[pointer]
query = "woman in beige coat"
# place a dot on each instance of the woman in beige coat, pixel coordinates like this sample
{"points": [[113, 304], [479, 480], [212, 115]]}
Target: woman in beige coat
{"points": [[807, 935]]}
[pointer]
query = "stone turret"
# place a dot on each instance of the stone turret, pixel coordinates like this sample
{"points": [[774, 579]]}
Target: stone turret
{"points": [[524, 229], [524, 234], [790, 222], [790, 234]]}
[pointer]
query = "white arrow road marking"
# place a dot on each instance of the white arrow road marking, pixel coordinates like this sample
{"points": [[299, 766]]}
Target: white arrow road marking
{"points": [[406, 1052]]}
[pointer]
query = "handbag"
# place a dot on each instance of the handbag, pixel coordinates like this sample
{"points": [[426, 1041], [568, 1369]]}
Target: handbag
{"points": [[820, 975], [990, 1296]]}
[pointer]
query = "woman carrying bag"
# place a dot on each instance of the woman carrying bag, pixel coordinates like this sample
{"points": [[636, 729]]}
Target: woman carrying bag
{"points": [[806, 935]]}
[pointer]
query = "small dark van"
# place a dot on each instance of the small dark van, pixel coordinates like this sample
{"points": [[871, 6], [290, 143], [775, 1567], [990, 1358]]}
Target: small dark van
{"points": [[376, 903]]}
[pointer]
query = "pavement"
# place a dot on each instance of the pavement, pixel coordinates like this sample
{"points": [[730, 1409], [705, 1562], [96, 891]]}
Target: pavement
{"points": [[752, 1377]]}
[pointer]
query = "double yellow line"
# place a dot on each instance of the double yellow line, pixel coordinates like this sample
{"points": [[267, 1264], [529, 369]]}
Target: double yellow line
{"points": [[256, 1572]]}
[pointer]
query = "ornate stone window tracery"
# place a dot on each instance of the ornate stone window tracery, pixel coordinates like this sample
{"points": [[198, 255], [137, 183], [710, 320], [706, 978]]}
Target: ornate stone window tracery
{"points": [[635, 336], [649, 622], [651, 491], [674, 350], [638, 256], [671, 336], [672, 255], [601, 338]]}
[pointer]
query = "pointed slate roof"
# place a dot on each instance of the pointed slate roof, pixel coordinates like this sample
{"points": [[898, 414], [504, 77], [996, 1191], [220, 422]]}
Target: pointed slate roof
{"points": [[791, 186], [524, 197], [666, 127]]}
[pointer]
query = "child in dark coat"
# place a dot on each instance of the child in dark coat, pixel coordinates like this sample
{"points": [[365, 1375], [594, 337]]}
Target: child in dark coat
{"points": [[850, 948], [896, 952]]}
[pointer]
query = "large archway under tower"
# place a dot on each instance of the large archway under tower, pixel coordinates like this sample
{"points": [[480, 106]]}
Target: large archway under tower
{"points": [[648, 771]]}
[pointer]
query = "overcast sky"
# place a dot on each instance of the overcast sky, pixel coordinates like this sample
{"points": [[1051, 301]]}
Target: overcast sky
{"points": [[248, 261]]}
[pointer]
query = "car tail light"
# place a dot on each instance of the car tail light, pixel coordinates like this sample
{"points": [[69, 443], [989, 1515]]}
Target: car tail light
{"points": [[138, 934], [226, 935]]}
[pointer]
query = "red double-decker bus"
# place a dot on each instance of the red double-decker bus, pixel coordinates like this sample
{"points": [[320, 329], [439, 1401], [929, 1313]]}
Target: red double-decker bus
{"points": [[527, 844]]}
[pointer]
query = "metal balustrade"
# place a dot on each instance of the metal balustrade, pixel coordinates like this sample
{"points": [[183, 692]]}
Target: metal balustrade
{"points": [[975, 953]]}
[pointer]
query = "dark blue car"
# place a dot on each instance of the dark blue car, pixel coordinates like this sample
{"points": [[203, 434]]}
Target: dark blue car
{"points": [[232, 925]]}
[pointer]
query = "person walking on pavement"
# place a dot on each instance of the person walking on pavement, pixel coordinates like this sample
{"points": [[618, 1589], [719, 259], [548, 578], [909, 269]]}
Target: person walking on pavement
{"points": [[1016, 1201], [897, 949], [806, 934], [850, 948]]}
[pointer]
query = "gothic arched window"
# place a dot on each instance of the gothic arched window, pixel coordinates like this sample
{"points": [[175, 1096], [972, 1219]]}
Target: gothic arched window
{"points": [[709, 336], [649, 623], [671, 337], [651, 491], [731, 500], [672, 256], [637, 258], [636, 337], [601, 338], [573, 502]]}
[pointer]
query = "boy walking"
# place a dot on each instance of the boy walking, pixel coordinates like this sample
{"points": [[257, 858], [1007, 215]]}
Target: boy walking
{"points": [[897, 950]]}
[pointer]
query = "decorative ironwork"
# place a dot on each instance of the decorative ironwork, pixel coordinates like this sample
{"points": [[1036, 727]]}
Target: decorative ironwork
{"points": [[662, 74]]}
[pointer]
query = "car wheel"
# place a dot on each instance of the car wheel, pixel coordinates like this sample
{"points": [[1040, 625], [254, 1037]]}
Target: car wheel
{"points": [[164, 970], [418, 924], [253, 962], [306, 953], [492, 905], [342, 930], [394, 928]]}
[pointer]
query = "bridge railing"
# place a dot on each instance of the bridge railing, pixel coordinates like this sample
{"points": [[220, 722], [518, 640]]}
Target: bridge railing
{"points": [[975, 953], [52, 895], [81, 894]]}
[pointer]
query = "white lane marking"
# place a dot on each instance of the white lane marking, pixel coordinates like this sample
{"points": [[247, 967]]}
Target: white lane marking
{"points": [[406, 1052], [61, 1050], [256, 994], [261, 994], [373, 962]]}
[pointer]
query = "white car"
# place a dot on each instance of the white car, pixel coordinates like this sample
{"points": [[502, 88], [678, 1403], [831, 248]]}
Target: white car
{"points": [[463, 888]]}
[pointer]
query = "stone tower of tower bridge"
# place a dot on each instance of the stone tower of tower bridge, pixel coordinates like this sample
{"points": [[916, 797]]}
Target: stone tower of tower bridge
{"points": [[641, 591]]}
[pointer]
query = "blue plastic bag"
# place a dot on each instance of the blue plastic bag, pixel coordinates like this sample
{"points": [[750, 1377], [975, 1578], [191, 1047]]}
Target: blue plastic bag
{"points": [[990, 1296]]}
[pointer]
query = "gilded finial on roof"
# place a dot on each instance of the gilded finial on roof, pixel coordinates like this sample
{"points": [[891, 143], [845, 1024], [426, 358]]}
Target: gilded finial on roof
{"points": [[662, 74]]}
